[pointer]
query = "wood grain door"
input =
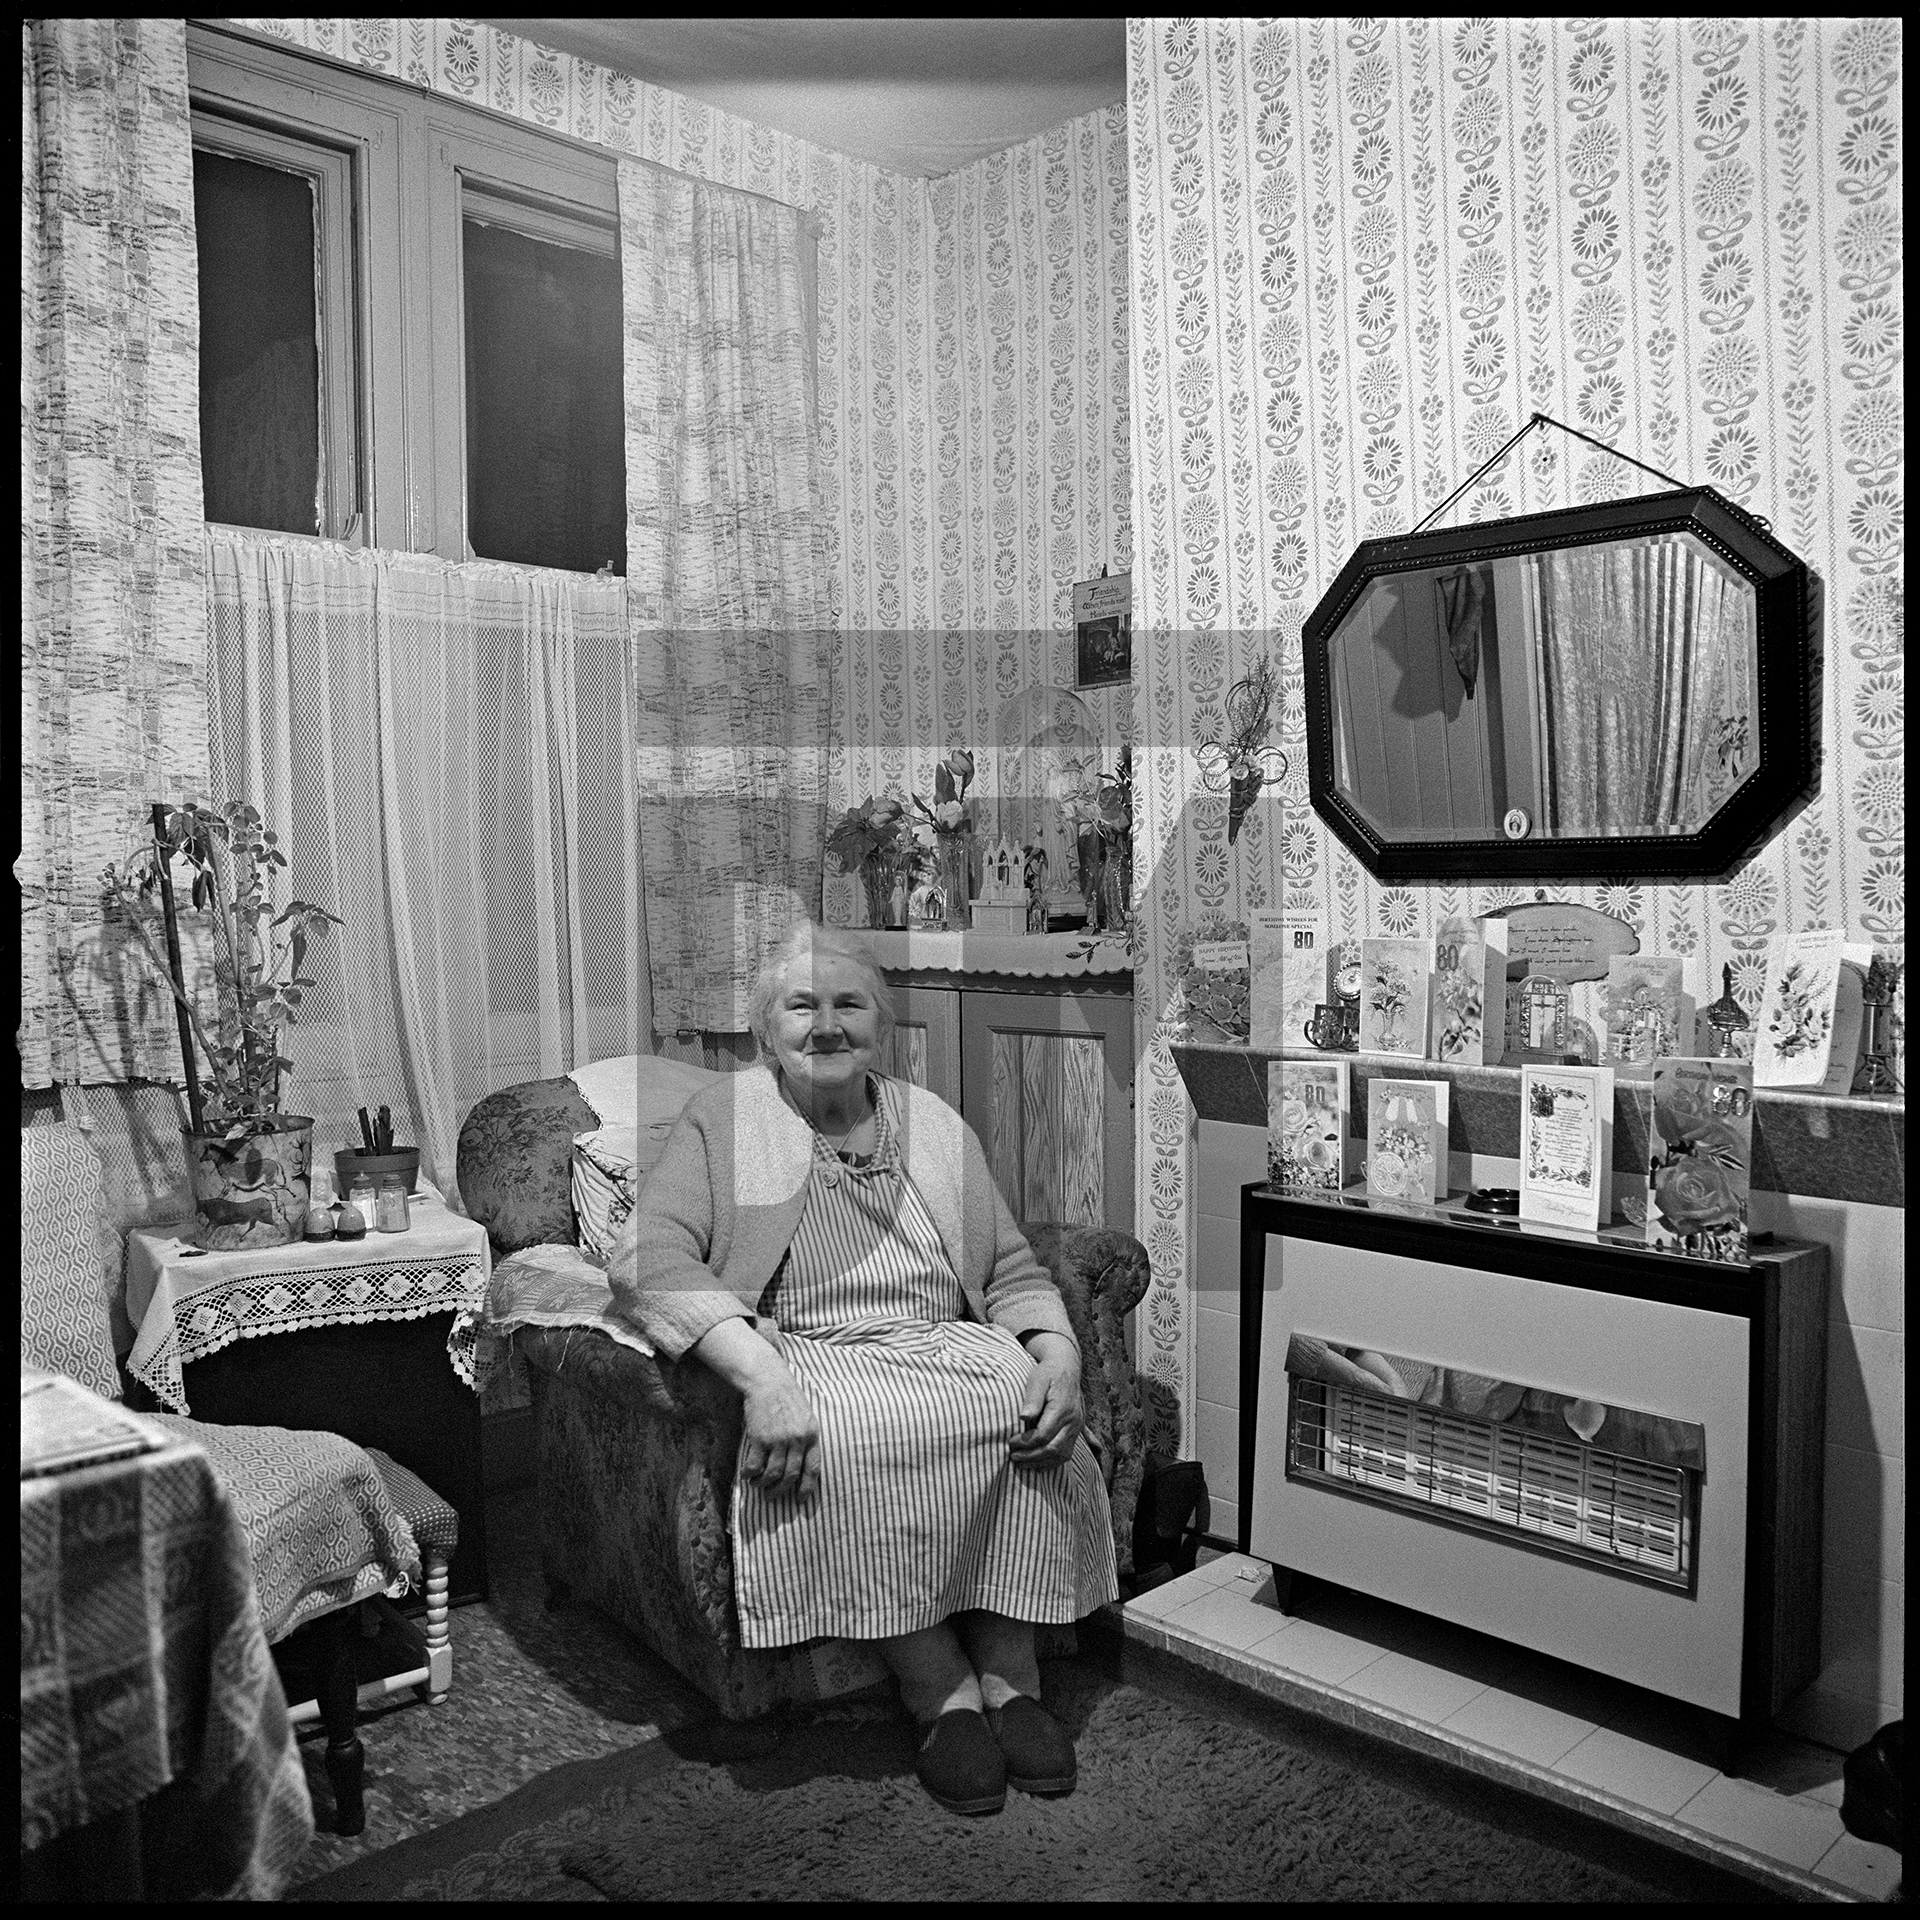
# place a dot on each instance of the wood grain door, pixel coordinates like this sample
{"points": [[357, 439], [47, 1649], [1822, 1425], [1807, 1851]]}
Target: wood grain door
{"points": [[1047, 1084], [925, 1047]]}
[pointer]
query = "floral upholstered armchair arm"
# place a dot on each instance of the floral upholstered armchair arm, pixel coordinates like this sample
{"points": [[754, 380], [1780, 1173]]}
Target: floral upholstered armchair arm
{"points": [[1102, 1276]]}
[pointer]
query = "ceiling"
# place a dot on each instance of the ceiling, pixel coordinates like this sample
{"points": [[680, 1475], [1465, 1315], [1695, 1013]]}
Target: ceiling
{"points": [[918, 96]]}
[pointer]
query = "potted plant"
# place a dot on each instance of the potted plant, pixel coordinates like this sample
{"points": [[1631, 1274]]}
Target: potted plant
{"points": [[248, 1161]]}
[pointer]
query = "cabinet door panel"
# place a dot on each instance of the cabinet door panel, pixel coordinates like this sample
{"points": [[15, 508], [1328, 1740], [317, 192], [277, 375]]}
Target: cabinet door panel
{"points": [[925, 1046], [1048, 1090]]}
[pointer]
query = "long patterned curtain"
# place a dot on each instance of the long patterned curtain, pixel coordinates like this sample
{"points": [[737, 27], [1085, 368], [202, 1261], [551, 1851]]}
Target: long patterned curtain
{"points": [[447, 751], [724, 582], [112, 598], [1642, 682]]}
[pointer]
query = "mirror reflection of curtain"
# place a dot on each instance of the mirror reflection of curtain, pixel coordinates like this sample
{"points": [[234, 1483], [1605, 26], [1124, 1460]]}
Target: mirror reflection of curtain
{"points": [[1645, 669]]}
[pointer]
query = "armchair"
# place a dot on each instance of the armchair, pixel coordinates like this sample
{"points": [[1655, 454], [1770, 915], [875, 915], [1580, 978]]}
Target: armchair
{"points": [[635, 1455], [328, 1525]]}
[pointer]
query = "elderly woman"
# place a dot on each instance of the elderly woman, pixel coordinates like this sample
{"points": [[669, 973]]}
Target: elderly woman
{"points": [[831, 1243]]}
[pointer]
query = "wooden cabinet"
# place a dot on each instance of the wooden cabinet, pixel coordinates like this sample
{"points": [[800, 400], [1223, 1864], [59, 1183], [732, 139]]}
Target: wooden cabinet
{"points": [[1043, 1075]]}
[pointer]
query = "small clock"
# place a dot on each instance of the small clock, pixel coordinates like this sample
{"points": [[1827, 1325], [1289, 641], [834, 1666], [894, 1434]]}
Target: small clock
{"points": [[1346, 976]]}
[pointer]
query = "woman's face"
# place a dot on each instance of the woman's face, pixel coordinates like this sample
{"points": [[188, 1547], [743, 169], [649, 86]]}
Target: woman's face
{"points": [[824, 1027]]}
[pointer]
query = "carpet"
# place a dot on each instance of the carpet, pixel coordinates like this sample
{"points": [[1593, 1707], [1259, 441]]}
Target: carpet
{"points": [[1190, 1789]]}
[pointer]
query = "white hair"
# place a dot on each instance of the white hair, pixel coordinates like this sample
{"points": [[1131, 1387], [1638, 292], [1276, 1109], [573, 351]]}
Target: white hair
{"points": [[805, 940]]}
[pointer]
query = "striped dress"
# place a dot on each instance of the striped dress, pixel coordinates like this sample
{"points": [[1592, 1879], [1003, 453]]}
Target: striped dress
{"points": [[920, 1513]]}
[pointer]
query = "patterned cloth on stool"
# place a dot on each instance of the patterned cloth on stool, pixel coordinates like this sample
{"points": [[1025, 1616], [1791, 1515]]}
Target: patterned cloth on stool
{"points": [[437, 1527]]}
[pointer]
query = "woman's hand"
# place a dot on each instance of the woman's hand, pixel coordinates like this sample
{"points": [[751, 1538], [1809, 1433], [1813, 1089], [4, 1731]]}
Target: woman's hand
{"points": [[781, 1454], [782, 1451], [1051, 1415]]}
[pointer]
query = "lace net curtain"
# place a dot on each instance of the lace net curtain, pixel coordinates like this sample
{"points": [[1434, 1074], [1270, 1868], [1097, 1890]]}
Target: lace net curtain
{"points": [[446, 752]]}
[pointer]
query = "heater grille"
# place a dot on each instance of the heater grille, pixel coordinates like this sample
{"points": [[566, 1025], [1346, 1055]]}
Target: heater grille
{"points": [[1629, 1516]]}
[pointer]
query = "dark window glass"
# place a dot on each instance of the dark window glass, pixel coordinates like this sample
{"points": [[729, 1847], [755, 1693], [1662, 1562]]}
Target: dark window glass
{"points": [[546, 463], [259, 345]]}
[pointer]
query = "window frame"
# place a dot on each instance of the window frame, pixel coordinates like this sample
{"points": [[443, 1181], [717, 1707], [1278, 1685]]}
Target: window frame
{"points": [[412, 156], [329, 171]]}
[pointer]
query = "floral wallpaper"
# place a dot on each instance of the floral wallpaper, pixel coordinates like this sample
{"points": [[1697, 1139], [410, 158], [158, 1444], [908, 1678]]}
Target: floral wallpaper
{"points": [[973, 394], [1363, 252], [996, 474]]}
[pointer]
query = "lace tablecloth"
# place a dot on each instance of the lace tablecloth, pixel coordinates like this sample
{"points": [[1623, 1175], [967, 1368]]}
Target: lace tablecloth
{"points": [[143, 1664], [1041, 956], [186, 1304]]}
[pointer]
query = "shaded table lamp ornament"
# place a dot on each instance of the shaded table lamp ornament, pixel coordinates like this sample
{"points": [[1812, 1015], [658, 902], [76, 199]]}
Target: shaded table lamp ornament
{"points": [[1876, 1073], [1727, 1021]]}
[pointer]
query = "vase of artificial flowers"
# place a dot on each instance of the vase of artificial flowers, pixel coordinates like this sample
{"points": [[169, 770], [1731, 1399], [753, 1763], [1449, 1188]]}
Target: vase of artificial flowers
{"points": [[249, 1162], [875, 840], [951, 819]]}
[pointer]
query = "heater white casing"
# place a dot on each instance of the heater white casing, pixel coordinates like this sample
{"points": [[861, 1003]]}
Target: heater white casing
{"points": [[1646, 1354]]}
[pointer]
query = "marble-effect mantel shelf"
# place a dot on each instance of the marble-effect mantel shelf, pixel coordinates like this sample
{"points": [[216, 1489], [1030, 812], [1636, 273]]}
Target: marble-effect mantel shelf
{"points": [[1826, 1146]]}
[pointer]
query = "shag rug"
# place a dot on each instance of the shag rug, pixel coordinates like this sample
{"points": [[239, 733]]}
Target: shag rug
{"points": [[1189, 1789]]}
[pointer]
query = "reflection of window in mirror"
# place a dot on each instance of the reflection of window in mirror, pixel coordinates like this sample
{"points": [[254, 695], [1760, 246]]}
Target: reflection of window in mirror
{"points": [[1601, 689]]}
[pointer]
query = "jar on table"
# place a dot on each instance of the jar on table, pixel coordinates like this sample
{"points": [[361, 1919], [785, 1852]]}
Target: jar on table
{"points": [[390, 1205]]}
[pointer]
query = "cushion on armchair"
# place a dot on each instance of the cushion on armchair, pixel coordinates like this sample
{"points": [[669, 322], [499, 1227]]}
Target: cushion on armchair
{"points": [[517, 1166]]}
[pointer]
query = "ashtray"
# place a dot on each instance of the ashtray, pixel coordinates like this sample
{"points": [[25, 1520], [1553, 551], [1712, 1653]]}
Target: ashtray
{"points": [[1493, 1200]]}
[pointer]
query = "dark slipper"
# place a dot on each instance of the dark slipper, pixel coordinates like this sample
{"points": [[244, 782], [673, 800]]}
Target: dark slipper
{"points": [[960, 1764], [1037, 1750]]}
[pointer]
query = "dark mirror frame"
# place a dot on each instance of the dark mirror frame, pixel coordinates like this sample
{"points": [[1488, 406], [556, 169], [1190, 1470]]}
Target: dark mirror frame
{"points": [[1781, 778]]}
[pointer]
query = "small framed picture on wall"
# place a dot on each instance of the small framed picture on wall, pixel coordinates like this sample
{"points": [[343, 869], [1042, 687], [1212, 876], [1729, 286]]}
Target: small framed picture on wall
{"points": [[1103, 631]]}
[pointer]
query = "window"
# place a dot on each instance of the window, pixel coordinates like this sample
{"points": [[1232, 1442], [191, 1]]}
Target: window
{"points": [[277, 414], [545, 455], [410, 316]]}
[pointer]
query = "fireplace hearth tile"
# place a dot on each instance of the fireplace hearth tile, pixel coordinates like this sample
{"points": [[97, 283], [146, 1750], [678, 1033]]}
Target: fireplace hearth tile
{"points": [[1649, 1776], [1871, 1872], [1318, 1653], [1233, 1619], [1410, 1686], [1800, 1832], [1518, 1726]]}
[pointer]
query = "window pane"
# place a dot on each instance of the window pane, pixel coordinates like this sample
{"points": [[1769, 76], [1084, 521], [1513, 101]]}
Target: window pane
{"points": [[546, 461], [259, 344]]}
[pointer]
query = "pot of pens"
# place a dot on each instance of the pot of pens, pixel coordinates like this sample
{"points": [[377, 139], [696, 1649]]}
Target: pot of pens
{"points": [[377, 1158]]}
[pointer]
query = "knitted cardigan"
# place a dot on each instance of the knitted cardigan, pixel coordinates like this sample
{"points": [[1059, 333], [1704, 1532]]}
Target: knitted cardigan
{"points": [[720, 1208]]}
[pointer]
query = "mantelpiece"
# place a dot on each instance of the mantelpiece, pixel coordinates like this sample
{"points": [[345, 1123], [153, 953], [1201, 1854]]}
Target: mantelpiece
{"points": [[1826, 1146]]}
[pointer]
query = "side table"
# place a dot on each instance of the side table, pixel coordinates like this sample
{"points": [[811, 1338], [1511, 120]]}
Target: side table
{"points": [[373, 1339]]}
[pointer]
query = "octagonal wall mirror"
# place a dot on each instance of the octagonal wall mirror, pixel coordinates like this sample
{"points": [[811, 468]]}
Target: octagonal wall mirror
{"points": [[1601, 692]]}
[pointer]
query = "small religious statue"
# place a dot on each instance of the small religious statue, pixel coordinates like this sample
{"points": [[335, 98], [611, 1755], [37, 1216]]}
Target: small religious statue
{"points": [[1034, 870], [1728, 1021]]}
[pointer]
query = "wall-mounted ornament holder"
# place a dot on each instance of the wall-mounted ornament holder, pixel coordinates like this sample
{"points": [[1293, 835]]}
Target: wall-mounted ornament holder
{"points": [[1244, 761]]}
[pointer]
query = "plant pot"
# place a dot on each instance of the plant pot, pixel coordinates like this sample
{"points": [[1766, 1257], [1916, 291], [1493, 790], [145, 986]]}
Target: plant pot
{"points": [[349, 1164], [251, 1191]]}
